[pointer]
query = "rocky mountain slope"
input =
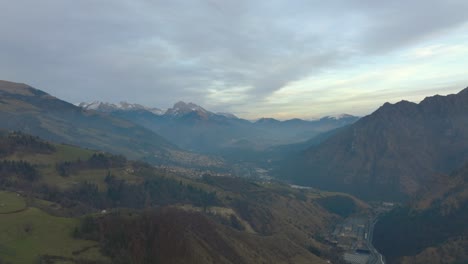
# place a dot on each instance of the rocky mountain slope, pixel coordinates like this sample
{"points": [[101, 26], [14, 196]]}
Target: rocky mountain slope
{"points": [[30, 110], [192, 127], [432, 229], [391, 153], [122, 106]]}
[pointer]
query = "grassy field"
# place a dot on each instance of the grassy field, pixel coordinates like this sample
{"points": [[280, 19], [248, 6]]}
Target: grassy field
{"points": [[97, 177], [26, 235], [63, 153], [46, 164], [10, 202], [71, 153]]}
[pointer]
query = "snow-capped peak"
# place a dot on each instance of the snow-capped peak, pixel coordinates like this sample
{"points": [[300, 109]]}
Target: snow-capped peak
{"points": [[121, 106], [127, 106], [156, 111], [97, 105], [182, 108], [338, 117]]}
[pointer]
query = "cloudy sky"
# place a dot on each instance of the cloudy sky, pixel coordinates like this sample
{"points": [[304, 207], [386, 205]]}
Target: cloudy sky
{"points": [[298, 58]]}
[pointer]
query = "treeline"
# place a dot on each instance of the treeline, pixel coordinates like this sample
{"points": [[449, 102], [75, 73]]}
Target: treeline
{"points": [[157, 236], [19, 142], [96, 161], [405, 232], [155, 191], [132, 238], [12, 172]]}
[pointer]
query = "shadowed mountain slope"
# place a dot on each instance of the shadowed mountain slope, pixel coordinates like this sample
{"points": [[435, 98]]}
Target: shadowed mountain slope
{"points": [[35, 112], [390, 153], [432, 229], [192, 127]]}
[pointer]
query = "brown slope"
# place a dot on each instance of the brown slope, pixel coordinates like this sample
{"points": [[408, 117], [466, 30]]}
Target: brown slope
{"points": [[35, 112], [432, 229], [171, 235], [273, 222], [388, 154]]}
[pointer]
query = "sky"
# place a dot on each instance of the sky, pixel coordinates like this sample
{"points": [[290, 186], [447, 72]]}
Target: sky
{"points": [[282, 59]]}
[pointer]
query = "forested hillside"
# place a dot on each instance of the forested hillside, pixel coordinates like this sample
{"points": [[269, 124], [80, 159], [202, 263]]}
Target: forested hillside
{"points": [[111, 210]]}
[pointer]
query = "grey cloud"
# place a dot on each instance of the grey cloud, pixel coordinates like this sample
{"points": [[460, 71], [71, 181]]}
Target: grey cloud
{"points": [[400, 23], [158, 52]]}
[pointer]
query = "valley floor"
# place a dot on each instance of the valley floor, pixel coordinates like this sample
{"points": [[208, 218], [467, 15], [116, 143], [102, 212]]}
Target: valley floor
{"points": [[354, 236]]}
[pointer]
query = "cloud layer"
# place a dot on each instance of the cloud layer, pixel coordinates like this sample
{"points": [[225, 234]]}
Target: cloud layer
{"points": [[255, 58]]}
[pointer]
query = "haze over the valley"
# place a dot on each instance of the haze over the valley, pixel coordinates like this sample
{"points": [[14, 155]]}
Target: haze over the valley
{"points": [[221, 132], [278, 59]]}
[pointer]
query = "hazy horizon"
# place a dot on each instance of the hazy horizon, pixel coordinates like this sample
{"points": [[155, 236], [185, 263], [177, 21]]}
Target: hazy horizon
{"points": [[302, 59]]}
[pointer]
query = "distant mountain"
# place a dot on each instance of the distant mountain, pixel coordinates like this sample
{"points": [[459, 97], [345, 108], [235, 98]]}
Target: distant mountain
{"points": [[193, 127], [343, 119], [181, 109], [432, 229], [267, 121], [35, 112], [390, 153], [122, 106], [228, 115]]}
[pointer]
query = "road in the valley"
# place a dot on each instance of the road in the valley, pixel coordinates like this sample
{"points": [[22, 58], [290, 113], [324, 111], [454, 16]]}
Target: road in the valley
{"points": [[376, 257]]}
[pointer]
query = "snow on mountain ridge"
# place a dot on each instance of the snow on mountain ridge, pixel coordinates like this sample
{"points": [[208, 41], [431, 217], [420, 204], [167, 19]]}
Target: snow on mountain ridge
{"points": [[338, 117], [125, 106], [179, 109], [182, 108]]}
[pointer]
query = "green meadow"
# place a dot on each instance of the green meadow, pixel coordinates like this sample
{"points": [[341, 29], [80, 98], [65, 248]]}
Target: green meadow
{"points": [[30, 233]]}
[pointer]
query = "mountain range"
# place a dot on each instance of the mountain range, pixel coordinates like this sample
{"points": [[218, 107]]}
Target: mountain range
{"points": [[185, 135], [33, 111], [391, 153], [413, 153], [192, 127], [109, 107]]}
